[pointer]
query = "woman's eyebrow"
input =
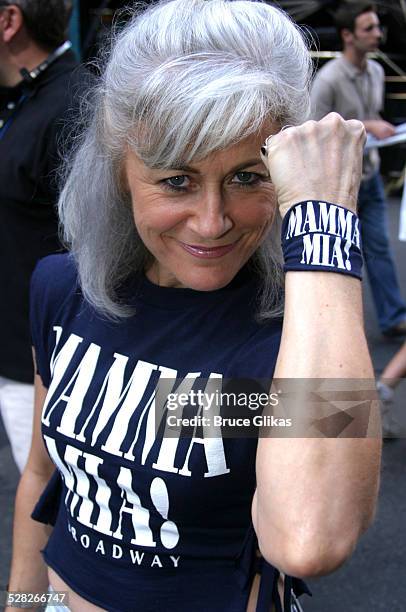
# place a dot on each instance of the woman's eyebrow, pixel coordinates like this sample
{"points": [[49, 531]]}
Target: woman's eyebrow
{"points": [[240, 166], [247, 164]]}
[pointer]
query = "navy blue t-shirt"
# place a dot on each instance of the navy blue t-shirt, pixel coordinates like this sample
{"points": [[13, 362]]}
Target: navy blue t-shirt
{"points": [[148, 521]]}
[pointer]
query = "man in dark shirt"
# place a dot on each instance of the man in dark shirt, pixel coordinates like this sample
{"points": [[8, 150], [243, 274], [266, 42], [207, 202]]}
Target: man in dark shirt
{"points": [[39, 83]]}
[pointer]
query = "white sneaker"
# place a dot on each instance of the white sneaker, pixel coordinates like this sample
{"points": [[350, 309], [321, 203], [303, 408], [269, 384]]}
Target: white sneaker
{"points": [[390, 426]]}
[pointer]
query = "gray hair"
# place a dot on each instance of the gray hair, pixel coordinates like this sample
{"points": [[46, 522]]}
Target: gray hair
{"points": [[201, 75]]}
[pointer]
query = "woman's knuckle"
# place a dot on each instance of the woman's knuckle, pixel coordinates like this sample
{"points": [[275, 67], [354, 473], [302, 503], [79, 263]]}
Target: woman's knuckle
{"points": [[335, 119]]}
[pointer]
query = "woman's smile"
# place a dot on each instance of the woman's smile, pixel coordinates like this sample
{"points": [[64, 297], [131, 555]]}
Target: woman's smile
{"points": [[205, 252]]}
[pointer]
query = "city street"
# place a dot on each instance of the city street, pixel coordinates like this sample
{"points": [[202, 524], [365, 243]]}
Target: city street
{"points": [[374, 580]]}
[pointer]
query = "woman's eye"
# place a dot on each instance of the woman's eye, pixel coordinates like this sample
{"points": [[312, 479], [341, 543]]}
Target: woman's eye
{"points": [[177, 182], [245, 178]]}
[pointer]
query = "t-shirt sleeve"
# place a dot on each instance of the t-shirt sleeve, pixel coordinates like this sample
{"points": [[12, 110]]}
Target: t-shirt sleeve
{"points": [[322, 98], [37, 320], [53, 280]]}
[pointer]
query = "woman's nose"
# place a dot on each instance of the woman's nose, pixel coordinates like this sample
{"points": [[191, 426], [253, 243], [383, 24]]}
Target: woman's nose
{"points": [[210, 220]]}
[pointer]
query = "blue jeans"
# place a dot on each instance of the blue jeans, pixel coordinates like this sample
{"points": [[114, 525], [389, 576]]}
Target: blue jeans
{"points": [[389, 304]]}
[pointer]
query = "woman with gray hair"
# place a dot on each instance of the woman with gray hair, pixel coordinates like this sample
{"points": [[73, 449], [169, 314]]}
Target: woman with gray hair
{"points": [[171, 295]]}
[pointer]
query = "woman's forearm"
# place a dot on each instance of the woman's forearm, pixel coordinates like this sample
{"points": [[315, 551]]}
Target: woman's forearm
{"points": [[315, 496], [28, 570]]}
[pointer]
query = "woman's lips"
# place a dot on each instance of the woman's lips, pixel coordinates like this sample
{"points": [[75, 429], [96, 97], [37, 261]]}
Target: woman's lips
{"points": [[208, 252]]}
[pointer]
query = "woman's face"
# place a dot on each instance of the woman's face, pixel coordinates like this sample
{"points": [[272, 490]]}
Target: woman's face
{"points": [[203, 222]]}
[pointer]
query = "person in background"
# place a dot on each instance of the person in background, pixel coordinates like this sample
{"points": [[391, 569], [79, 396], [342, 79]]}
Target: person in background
{"points": [[38, 85], [390, 378], [353, 86]]}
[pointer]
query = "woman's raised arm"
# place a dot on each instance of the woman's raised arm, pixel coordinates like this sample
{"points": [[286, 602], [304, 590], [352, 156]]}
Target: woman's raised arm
{"points": [[316, 495]]}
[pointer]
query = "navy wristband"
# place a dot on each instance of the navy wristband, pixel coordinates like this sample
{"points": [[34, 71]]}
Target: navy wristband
{"points": [[320, 236]]}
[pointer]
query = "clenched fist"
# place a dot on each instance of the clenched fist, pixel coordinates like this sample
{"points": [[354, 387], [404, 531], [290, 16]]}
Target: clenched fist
{"points": [[318, 160]]}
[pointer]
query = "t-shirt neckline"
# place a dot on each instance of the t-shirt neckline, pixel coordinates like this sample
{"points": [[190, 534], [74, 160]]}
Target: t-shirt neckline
{"points": [[178, 297]]}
